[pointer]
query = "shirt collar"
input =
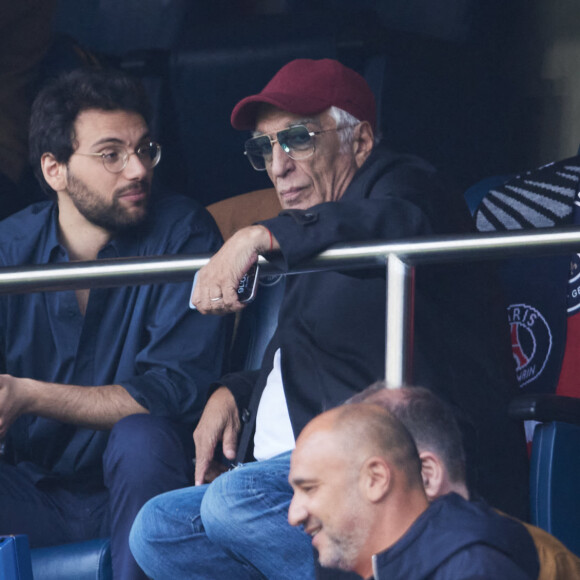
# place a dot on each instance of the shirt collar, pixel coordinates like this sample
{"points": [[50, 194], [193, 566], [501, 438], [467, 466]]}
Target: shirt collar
{"points": [[54, 251], [52, 248]]}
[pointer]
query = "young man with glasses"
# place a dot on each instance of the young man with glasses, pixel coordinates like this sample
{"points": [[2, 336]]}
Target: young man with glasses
{"points": [[100, 388], [314, 133]]}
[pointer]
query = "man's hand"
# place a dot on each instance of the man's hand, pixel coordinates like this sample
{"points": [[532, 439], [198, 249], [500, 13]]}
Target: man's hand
{"points": [[219, 422], [216, 290], [13, 397]]}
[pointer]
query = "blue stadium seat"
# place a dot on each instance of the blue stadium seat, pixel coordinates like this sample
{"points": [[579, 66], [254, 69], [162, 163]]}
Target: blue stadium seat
{"points": [[554, 464], [89, 560], [15, 558]]}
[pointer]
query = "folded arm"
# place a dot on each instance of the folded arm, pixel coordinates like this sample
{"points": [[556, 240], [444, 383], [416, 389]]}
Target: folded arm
{"points": [[91, 407]]}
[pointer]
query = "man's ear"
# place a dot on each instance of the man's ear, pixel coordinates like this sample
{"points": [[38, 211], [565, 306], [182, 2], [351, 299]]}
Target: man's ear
{"points": [[363, 143], [375, 478], [53, 171], [433, 475]]}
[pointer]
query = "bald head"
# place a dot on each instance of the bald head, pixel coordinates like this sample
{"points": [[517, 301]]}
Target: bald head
{"points": [[356, 432], [357, 484]]}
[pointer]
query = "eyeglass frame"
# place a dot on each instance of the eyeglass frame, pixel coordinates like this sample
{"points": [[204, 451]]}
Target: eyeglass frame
{"points": [[274, 140], [126, 155]]}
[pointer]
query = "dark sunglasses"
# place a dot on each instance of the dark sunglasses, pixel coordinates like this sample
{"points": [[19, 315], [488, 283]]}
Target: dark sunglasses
{"points": [[297, 142]]}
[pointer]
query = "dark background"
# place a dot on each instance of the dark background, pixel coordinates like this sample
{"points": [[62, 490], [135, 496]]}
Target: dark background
{"points": [[450, 76]]}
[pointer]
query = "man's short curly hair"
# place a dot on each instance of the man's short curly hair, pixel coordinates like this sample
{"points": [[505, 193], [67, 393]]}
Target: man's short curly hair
{"points": [[59, 103]]}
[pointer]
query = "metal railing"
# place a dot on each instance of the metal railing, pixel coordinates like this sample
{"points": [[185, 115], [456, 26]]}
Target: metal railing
{"points": [[399, 258]]}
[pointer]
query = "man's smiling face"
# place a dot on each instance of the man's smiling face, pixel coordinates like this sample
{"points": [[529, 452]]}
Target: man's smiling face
{"points": [[327, 501]]}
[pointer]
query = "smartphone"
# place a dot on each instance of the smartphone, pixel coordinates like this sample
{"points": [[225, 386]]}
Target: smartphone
{"points": [[247, 286]]}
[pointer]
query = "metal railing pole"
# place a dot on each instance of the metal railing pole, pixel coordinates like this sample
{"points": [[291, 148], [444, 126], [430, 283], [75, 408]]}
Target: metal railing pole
{"points": [[176, 268], [401, 256], [399, 322], [107, 273]]}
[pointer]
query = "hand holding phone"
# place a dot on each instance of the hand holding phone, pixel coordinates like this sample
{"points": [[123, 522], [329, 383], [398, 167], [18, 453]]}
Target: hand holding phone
{"points": [[247, 286]]}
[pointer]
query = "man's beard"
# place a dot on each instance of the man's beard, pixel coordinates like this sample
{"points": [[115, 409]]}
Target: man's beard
{"points": [[346, 543], [344, 551], [112, 216]]}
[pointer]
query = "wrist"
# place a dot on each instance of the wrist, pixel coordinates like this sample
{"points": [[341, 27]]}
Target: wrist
{"points": [[255, 239], [31, 395], [265, 239]]}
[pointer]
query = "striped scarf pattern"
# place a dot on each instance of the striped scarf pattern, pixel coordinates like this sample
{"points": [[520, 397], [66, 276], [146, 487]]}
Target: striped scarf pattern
{"points": [[540, 198]]}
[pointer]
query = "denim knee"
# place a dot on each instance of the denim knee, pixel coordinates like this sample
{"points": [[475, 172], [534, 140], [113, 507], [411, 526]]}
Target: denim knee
{"points": [[169, 542], [245, 513], [240, 498], [224, 509], [164, 525]]}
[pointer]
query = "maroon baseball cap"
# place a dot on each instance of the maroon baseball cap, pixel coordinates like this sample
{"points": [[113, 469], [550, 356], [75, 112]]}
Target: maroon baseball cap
{"points": [[308, 87]]}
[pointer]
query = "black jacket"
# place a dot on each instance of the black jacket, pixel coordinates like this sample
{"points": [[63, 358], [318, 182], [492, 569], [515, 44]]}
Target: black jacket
{"points": [[331, 327], [460, 540]]}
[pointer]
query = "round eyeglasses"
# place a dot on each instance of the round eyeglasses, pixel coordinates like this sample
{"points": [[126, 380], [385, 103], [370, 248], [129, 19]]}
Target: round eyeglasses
{"points": [[115, 158], [297, 142]]}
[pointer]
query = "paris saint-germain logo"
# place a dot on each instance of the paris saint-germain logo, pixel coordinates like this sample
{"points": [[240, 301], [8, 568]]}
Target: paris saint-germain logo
{"points": [[531, 341]]}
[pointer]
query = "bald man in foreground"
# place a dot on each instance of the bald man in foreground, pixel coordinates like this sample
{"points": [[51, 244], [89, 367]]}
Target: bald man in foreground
{"points": [[359, 493]]}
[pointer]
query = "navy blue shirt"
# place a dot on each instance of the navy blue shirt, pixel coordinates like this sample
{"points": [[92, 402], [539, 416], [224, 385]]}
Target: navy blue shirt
{"points": [[144, 338], [460, 540]]}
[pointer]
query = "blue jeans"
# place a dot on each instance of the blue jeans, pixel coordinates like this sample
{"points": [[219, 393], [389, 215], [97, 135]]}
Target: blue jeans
{"points": [[235, 527]]}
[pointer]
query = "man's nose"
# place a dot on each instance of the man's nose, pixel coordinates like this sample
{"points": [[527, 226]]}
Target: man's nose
{"points": [[297, 513], [281, 161], [135, 167]]}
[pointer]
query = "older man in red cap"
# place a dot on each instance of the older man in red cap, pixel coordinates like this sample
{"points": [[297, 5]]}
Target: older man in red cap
{"points": [[314, 132]]}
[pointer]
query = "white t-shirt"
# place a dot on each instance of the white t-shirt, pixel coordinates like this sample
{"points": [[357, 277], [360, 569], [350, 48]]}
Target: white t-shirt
{"points": [[274, 434]]}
